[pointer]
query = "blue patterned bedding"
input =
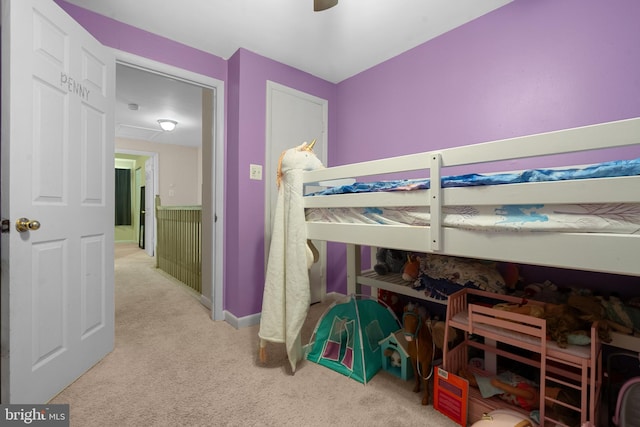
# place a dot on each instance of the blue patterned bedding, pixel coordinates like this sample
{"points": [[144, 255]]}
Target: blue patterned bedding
{"points": [[600, 170], [620, 218]]}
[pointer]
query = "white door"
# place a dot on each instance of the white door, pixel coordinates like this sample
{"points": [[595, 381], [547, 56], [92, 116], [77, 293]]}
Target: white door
{"points": [[150, 207], [292, 118], [57, 168]]}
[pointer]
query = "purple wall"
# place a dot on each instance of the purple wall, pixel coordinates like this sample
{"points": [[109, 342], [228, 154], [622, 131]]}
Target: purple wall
{"points": [[528, 67], [248, 74], [525, 68], [245, 75]]}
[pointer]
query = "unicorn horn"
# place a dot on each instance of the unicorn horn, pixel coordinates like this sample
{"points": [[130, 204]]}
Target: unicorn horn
{"points": [[310, 146]]}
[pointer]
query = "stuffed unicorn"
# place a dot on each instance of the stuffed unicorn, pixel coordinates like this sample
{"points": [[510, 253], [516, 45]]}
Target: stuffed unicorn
{"points": [[302, 158], [286, 297]]}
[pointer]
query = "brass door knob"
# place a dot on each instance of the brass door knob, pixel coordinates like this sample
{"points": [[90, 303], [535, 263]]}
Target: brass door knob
{"points": [[26, 224]]}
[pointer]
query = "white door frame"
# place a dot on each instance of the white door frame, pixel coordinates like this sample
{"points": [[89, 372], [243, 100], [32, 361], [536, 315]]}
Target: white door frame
{"points": [[217, 257]]}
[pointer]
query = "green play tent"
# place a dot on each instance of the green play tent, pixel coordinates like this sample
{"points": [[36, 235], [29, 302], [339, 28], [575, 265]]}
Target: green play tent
{"points": [[346, 338]]}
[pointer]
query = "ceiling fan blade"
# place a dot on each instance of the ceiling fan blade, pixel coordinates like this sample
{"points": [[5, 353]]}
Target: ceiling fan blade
{"points": [[320, 5]]}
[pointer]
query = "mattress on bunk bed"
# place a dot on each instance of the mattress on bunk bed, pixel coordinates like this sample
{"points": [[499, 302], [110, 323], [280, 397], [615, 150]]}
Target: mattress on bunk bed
{"points": [[619, 218], [581, 351]]}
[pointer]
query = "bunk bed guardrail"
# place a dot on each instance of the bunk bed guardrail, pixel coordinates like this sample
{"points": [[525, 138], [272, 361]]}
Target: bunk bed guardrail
{"points": [[542, 248]]}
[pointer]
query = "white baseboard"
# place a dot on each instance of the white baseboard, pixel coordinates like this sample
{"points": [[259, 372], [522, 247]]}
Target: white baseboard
{"points": [[254, 319], [206, 302], [241, 322], [335, 295]]}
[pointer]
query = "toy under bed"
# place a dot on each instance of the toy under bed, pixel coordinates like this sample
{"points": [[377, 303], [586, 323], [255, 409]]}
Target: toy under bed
{"points": [[577, 367]]}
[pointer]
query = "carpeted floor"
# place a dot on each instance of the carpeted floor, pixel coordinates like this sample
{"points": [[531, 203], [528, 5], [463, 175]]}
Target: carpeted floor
{"points": [[173, 366]]}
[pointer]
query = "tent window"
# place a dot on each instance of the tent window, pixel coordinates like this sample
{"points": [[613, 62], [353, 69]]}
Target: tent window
{"points": [[374, 335], [123, 197], [339, 345], [347, 347]]}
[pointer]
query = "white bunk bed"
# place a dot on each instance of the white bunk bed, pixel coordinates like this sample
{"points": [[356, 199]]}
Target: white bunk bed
{"points": [[591, 251]]}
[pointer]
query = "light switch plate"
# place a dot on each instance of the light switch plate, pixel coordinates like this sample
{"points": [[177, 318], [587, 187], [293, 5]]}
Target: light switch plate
{"points": [[255, 172]]}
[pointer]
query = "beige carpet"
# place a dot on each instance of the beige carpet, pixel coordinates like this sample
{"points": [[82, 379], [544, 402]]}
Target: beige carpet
{"points": [[173, 366]]}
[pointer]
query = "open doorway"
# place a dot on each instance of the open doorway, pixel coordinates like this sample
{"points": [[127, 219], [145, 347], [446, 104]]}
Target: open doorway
{"points": [[180, 180], [142, 167], [146, 102]]}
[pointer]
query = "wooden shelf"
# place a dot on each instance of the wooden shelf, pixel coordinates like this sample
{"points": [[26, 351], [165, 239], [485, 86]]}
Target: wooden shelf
{"points": [[393, 282]]}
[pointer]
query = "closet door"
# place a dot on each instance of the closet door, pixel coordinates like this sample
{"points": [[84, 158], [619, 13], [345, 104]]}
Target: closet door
{"points": [[294, 117]]}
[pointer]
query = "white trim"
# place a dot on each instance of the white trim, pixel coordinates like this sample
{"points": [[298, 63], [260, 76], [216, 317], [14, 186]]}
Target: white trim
{"points": [[254, 319], [206, 302], [217, 162], [125, 163], [242, 322], [335, 296]]}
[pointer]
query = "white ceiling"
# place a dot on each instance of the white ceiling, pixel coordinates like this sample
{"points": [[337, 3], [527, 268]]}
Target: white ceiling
{"points": [[157, 97], [334, 44]]}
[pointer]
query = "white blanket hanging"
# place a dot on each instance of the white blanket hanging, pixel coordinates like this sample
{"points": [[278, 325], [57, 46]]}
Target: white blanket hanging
{"points": [[286, 298]]}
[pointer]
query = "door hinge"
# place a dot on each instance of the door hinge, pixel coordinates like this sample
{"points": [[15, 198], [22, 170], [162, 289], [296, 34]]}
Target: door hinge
{"points": [[6, 225]]}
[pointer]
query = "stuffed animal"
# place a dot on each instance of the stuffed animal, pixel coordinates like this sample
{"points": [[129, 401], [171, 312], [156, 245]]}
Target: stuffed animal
{"points": [[570, 323], [389, 261], [437, 332], [523, 308], [391, 299], [411, 269], [565, 323], [416, 326], [394, 357], [511, 275], [592, 310], [546, 292], [303, 158]]}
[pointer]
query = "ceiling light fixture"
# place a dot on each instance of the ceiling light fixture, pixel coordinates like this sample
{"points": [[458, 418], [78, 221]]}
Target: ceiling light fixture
{"points": [[320, 5], [167, 125]]}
